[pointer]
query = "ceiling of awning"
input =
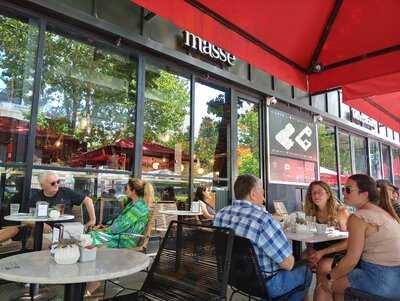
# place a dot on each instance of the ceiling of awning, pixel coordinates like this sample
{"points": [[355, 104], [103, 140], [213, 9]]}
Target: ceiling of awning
{"points": [[314, 45]]}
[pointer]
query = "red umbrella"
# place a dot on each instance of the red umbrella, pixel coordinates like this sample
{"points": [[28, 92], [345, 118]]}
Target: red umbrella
{"points": [[314, 45]]}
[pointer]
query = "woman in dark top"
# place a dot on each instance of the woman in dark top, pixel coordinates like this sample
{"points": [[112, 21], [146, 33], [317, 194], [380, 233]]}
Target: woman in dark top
{"points": [[202, 195]]}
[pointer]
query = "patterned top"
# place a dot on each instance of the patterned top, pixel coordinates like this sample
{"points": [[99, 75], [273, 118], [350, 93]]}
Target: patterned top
{"points": [[256, 224], [132, 220]]}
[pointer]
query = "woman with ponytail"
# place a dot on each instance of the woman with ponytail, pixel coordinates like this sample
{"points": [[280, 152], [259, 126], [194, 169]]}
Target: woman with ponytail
{"points": [[132, 219], [372, 260]]}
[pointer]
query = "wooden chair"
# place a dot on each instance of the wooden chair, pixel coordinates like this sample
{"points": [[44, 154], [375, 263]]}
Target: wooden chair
{"points": [[280, 208]]}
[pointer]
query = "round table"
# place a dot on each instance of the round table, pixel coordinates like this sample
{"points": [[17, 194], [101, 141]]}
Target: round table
{"points": [[37, 238], [39, 267]]}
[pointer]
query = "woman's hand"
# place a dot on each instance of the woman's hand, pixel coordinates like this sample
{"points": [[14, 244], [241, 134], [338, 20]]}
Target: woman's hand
{"points": [[315, 257]]}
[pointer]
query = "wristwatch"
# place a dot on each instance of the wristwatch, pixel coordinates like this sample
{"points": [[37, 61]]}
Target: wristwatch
{"points": [[329, 277]]}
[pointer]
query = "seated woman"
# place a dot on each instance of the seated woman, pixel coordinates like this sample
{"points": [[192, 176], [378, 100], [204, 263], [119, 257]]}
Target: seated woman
{"points": [[202, 195], [372, 260], [321, 203], [393, 194], [132, 219]]}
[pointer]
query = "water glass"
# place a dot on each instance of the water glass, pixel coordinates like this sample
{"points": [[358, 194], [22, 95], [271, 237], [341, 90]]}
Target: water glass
{"points": [[32, 211], [14, 209]]}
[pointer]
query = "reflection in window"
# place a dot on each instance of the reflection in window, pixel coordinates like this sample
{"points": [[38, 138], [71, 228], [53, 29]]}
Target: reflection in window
{"points": [[387, 173], [333, 103], [12, 192], [86, 112], [327, 155], [248, 153], [359, 145], [18, 44], [166, 132], [375, 160], [211, 130], [345, 157], [319, 102], [396, 166], [285, 170]]}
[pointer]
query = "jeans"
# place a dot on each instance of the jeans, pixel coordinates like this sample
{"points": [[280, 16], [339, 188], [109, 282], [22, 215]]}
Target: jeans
{"points": [[284, 281]]}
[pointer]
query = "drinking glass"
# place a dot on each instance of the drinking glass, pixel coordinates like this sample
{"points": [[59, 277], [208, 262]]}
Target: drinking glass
{"points": [[32, 211], [14, 209]]}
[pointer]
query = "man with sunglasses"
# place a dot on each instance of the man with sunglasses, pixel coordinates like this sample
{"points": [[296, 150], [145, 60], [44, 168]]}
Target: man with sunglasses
{"points": [[54, 194]]}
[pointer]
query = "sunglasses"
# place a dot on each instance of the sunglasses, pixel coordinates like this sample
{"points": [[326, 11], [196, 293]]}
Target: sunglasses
{"points": [[55, 182], [347, 190]]}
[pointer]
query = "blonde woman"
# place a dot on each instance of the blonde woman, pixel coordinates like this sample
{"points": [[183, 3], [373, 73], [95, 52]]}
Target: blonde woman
{"points": [[321, 203]]}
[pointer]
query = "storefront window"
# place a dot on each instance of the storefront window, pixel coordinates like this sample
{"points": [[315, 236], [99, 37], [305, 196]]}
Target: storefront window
{"points": [[18, 44], [359, 145], [327, 155], [248, 152], [11, 192], [387, 173], [375, 160], [396, 166], [166, 142], [291, 171], [87, 105], [319, 102], [211, 125], [345, 157]]}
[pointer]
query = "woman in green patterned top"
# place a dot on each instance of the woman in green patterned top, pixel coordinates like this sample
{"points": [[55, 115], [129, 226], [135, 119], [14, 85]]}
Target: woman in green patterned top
{"points": [[132, 220]]}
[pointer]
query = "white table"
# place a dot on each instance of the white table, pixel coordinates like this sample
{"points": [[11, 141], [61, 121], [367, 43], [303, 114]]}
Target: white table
{"points": [[37, 237], [180, 213], [40, 267], [312, 237]]}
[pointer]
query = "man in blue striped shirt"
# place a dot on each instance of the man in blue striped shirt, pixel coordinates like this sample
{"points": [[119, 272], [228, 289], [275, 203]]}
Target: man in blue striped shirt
{"points": [[248, 218]]}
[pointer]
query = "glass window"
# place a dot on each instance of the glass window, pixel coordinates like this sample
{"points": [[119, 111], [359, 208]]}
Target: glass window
{"points": [[345, 156], [396, 166], [327, 155], [18, 44], [87, 105], [211, 130], [248, 152], [390, 133], [375, 159], [387, 173], [167, 132], [359, 145], [287, 170], [11, 192], [319, 102], [333, 103], [396, 137]]}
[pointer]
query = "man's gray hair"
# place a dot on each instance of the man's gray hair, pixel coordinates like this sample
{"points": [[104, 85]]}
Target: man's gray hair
{"points": [[43, 176]]}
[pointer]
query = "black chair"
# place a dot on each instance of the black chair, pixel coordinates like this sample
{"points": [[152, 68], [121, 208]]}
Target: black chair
{"points": [[192, 264], [246, 277], [352, 294]]}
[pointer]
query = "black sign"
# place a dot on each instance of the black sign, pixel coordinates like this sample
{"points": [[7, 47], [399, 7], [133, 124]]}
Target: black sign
{"points": [[291, 136]]}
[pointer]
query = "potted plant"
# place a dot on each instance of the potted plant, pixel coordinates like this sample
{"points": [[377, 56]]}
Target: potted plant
{"points": [[67, 251]]}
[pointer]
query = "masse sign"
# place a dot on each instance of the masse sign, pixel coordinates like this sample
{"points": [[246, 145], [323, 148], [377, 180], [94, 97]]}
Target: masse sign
{"points": [[207, 48]]}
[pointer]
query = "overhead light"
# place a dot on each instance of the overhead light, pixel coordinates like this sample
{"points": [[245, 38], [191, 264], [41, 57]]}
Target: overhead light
{"points": [[271, 100], [200, 171], [155, 165]]}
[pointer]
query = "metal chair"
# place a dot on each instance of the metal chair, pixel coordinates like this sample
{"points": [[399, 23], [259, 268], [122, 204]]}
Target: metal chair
{"points": [[246, 277], [191, 265], [352, 294]]}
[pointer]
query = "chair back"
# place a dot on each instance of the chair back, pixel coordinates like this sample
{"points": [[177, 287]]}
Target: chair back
{"points": [[245, 273], [77, 212], [192, 264]]}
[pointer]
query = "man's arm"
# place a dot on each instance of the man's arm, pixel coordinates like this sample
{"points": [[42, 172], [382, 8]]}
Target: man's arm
{"points": [[288, 263], [90, 209]]}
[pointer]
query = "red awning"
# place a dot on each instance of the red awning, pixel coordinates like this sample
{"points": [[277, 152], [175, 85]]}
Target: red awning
{"points": [[314, 45]]}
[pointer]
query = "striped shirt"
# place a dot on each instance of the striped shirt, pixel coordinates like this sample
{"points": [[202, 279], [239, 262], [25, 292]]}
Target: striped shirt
{"points": [[256, 224]]}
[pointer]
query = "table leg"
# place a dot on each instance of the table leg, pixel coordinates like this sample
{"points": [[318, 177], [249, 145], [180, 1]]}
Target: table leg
{"points": [[74, 291], [296, 245]]}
